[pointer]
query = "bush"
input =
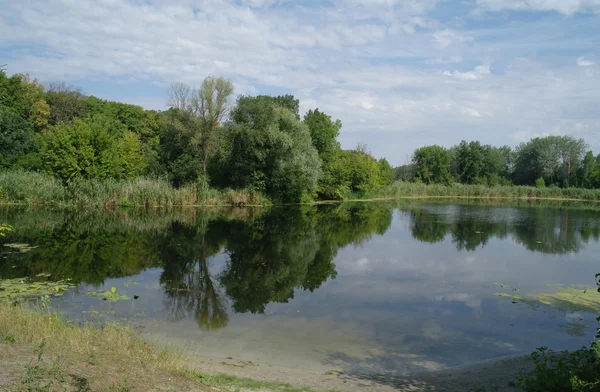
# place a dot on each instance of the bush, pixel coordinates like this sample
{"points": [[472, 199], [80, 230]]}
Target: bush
{"points": [[540, 183], [566, 371]]}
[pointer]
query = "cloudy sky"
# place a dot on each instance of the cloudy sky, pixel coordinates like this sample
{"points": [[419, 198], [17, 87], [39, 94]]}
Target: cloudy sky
{"points": [[398, 73]]}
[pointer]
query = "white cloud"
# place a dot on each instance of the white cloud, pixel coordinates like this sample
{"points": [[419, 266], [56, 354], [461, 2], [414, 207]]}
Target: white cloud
{"points": [[582, 62], [567, 7], [396, 77], [444, 38]]}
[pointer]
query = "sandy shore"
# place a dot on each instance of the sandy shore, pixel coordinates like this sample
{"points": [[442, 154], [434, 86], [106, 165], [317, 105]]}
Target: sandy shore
{"points": [[495, 375]]}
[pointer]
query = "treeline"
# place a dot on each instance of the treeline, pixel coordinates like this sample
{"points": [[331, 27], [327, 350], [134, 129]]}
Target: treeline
{"points": [[560, 161], [203, 141]]}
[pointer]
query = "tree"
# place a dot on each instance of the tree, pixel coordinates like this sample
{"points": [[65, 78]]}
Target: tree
{"points": [[432, 165], [556, 158], [386, 173], [363, 171], [209, 105], [87, 150], [18, 142], [404, 173], [588, 166], [178, 155], [66, 103], [271, 151], [324, 132]]}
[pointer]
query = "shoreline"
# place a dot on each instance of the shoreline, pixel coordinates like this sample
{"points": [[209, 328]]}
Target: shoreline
{"points": [[317, 202], [39, 348]]}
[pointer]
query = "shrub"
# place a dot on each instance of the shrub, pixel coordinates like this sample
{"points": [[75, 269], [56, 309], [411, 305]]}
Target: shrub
{"points": [[540, 183], [566, 371]]}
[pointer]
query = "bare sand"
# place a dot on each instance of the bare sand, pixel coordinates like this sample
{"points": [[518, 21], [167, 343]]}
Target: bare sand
{"points": [[495, 375]]}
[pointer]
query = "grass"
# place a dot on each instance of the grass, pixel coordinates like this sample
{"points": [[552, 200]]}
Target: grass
{"points": [[44, 352], [401, 189], [32, 188]]}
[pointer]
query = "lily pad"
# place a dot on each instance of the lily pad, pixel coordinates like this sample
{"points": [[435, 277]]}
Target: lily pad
{"points": [[112, 295], [25, 288]]}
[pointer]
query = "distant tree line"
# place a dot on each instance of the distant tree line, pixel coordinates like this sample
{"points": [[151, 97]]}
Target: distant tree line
{"points": [[561, 161], [259, 143]]}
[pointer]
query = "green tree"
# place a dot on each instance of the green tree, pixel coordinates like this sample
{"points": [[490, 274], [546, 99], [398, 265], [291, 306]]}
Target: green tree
{"points": [[131, 158], [363, 171], [178, 154], [271, 149], [432, 165], [386, 173], [87, 150], [588, 166], [324, 131], [66, 103], [18, 141], [555, 158]]}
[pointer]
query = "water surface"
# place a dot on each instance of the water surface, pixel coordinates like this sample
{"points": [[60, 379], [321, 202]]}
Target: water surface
{"points": [[365, 288]]}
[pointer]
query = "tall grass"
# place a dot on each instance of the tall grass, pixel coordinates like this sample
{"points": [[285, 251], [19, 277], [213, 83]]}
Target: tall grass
{"points": [[23, 187], [408, 189]]}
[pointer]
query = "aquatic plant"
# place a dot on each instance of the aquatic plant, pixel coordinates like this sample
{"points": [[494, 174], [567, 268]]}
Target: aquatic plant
{"points": [[110, 295], [22, 288], [577, 371]]}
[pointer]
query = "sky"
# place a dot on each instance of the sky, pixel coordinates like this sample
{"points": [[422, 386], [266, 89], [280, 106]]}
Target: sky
{"points": [[399, 74]]}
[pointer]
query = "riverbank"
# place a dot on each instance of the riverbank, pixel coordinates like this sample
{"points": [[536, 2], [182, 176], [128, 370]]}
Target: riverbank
{"points": [[402, 189], [41, 351], [32, 188]]}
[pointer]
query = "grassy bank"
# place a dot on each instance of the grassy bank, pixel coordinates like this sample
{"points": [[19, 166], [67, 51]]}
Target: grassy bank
{"points": [[402, 189], [31, 188], [39, 351]]}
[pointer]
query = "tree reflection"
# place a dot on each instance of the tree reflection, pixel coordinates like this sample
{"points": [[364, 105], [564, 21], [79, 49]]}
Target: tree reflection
{"points": [[190, 291], [286, 250], [540, 230]]}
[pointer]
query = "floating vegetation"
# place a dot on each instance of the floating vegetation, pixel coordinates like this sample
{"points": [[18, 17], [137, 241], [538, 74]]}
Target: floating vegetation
{"points": [[21, 247], [575, 329], [130, 282], [21, 288], [572, 299], [111, 295]]}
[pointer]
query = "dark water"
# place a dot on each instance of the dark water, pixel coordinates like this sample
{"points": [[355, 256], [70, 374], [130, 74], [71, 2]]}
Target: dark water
{"points": [[363, 287]]}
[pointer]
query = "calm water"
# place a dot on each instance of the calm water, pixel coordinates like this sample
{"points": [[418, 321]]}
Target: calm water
{"points": [[365, 288]]}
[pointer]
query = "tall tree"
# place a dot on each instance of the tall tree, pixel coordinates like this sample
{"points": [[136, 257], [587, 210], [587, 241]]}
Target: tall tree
{"points": [[324, 132], [210, 105], [432, 164]]}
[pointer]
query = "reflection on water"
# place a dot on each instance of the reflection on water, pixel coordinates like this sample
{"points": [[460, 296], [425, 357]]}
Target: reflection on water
{"points": [[366, 287]]}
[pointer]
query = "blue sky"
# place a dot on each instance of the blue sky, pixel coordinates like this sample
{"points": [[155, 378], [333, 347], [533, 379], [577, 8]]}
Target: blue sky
{"points": [[399, 74]]}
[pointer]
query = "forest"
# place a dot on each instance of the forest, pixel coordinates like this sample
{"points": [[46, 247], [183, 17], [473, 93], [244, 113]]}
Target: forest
{"points": [[260, 144], [58, 140]]}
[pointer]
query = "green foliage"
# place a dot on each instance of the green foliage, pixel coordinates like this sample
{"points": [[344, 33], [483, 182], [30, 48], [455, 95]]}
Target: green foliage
{"points": [[269, 143], [66, 103], [4, 228], [432, 165], [363, 172], [540, 183], [555, 158], [577, 371], [88, 150], [473, 163], [333, 183], [566, 371], [386, 173], [24, 288]]}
